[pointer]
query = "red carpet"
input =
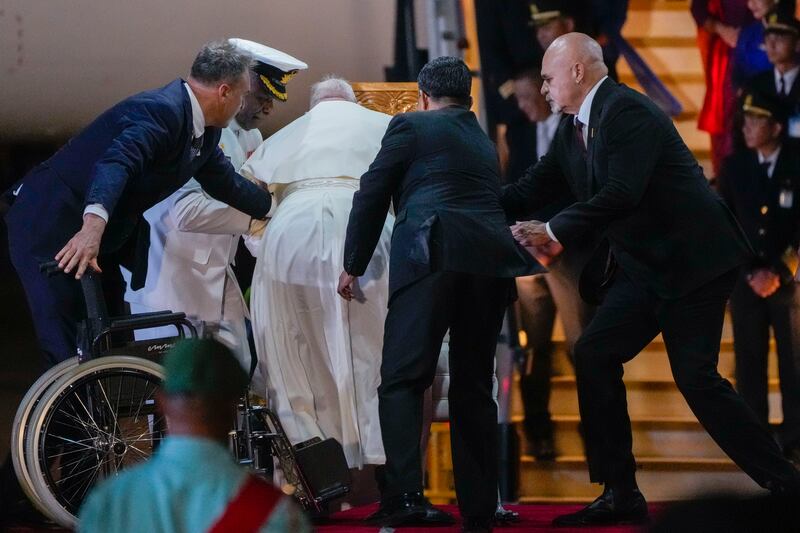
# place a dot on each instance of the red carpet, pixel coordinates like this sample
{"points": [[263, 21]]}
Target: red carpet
{"points": [[532, 518]]}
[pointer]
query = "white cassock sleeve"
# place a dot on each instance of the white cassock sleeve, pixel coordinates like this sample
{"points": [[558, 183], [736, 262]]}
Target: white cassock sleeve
{"points": [[196, 212]]}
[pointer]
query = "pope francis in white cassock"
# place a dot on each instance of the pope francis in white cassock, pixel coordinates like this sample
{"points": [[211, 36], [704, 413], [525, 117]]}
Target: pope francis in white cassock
{"points": [[321, 355]]}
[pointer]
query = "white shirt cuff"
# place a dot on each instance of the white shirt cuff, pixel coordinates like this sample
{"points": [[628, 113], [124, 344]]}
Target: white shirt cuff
{"points": [[97, 209], [252, 243], [550, 232]]}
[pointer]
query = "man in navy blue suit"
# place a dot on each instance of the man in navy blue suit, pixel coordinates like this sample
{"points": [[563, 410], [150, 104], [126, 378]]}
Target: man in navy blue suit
{"points": [[84, 205]]}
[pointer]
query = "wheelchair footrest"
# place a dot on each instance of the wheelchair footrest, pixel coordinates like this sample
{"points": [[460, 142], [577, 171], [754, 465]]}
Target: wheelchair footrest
{"points": [[324, 467]]}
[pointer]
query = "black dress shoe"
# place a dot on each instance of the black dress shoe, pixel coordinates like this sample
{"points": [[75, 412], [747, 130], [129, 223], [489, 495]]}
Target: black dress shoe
{"points": [[610, 508], [409, 509], [505, 516], [543, 448], [476, 525]]}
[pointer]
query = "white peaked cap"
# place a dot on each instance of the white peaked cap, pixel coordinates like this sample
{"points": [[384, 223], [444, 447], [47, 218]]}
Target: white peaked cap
{"points": [[270, 56]]}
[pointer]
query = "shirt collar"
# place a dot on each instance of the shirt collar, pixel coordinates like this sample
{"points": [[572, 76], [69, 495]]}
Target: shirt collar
{"points": [[188, 448], [788, 77], [198, 119], [585, 110], [545, 131], [771, 159]]}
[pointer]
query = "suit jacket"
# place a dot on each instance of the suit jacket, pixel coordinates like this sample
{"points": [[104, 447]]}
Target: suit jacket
{"points": [[767, 207], [441, 173], [506, 42], [131, 157], [639, 186], [764, 83]]}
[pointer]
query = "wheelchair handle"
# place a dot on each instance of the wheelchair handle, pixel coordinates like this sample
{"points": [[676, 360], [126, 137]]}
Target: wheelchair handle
{"points": [[90, 285]]}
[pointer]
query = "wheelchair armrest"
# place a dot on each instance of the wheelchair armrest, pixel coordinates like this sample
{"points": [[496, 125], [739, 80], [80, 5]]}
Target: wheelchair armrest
{"points": [[149, 320], [144, 321], [139, 315]]}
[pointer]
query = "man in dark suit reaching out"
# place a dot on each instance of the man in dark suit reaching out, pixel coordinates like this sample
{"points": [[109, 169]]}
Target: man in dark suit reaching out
{"points": [[677, 249], [452, 264], [84, 205]]}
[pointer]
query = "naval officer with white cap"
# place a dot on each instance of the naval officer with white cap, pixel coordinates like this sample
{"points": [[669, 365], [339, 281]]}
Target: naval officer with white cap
{"points": [[194, 238]]}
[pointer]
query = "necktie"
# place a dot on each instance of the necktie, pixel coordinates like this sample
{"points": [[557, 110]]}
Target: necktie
{"points": [[765, 167], [579, 135], [197, 144], [782, 86]]}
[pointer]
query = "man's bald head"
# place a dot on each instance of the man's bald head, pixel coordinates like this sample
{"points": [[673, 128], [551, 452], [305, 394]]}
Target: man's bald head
{"points": [[572, 65], [579, 47]]}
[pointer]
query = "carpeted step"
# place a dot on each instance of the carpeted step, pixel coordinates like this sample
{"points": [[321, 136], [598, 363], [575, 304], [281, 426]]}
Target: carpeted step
{"points": [[661, 437], [660, 479]]}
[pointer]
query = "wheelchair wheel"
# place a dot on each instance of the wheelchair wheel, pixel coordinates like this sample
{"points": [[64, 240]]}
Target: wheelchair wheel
{"points": [[19, 429], [95, 421]]}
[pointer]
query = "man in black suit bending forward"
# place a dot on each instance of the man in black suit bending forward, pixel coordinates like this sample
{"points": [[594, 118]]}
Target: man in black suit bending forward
{"points": [[452, 263], [677, 249]]}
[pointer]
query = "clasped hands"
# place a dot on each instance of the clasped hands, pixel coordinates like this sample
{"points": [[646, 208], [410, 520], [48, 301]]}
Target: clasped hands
{"points": [[764, 282], [533, 235]]}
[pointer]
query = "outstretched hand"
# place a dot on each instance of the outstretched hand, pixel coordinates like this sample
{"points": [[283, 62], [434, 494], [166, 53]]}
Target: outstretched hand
{"points": [[531, 233], [82, 250], [263, 185]]}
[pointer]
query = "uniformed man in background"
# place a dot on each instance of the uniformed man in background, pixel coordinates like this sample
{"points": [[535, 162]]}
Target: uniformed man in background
{"points": [[507, 43], [761, 184]]}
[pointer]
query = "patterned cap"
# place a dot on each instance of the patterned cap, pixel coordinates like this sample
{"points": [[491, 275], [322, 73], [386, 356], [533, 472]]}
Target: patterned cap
{"points": [[782, 22], [274, 68], [544, 11], [755, 103]]}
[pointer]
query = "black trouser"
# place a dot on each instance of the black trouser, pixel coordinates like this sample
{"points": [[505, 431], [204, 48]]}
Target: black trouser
{"points": [[472, 308], [57, 304], [629, 318], [537, 314], [539, 297], [753, 317]]}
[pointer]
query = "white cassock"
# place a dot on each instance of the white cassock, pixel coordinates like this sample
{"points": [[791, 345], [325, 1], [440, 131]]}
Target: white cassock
{"points": [[193, 241], [321, 354]]}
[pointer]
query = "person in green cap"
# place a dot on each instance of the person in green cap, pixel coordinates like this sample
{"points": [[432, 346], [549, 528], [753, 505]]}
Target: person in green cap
{"points": [[192, 482]]}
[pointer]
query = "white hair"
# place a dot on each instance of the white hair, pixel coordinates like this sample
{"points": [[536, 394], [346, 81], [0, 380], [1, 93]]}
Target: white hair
{"points": [[331, 87]]}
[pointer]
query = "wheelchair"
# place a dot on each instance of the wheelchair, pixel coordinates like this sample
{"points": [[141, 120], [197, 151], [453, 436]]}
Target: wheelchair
{"points": [[93, 415]]}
